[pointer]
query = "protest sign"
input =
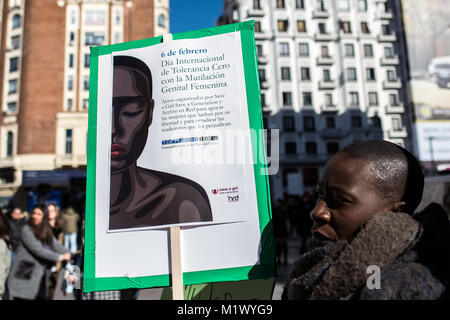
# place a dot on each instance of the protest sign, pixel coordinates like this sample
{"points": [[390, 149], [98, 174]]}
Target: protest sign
{"points": [[175, 140]]}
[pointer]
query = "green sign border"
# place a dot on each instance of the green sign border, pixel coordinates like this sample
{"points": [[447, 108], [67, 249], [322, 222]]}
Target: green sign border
{"points": [[266, 268]]}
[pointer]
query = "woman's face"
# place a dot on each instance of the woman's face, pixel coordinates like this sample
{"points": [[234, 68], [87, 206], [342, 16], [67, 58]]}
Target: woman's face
{"points": [[132, 110], [37, 216], [52, 212]]}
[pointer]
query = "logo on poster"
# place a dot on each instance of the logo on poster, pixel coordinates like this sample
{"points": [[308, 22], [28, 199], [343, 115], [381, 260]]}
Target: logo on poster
{"points": [[233, 198], [225, 190]]}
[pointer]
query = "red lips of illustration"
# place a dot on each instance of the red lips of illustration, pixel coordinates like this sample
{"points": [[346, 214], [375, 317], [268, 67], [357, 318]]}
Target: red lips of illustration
{"points": [[117, 151]]}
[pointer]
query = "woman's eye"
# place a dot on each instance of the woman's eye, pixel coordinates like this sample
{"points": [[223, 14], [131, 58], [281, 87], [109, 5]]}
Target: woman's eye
{"points": [[131, 113]]}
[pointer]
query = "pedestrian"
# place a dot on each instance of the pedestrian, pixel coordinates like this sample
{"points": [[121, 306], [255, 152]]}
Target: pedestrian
{"points": [[16, 221], [38, 249], [69, 224], [365, 224], [55, 224], [5, 252], [280, 232], [305, 222]]}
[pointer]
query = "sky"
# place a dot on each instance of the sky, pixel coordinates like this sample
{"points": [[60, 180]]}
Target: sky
{"points": [[187, 15]]}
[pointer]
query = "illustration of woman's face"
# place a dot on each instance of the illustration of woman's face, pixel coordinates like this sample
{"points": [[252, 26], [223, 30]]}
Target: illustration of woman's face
{"points": [[132, 111]]}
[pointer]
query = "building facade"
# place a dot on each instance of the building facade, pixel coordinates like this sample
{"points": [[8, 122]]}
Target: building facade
{"points": [[331, 73], [44, 64]]}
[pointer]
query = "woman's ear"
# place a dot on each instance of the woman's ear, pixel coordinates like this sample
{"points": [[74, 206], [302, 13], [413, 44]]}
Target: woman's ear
{"points": [[398, 206]]}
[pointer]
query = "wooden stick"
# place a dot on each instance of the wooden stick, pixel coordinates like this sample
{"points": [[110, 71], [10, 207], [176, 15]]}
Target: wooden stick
{"points": [[175, 258]]}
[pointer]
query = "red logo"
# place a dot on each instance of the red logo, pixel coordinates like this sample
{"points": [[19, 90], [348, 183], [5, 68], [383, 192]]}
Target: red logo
{"points": [[214, 191]]}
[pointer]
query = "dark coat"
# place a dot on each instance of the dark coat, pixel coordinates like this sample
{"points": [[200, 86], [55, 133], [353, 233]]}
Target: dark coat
{"points": [[412, 253]]}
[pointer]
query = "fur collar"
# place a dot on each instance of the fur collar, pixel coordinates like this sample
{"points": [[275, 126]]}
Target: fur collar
{"points": [[342, 271]]}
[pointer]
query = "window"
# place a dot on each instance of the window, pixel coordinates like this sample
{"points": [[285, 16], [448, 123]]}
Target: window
{"points": [[256, 4], [307, 98], [288, 123], [16, 21], [285, 73], [280, 4], [13, 64], [300, 4], [259, 50], [346, 26], [71, 38], [70, 83], [117, 18], [87, 60], [328, 99], [69, 104], [393, 99], [354, 99], [388, 52], [68, 146], [263, 100], [286, 172], [161, 21], [370, 72], [391, 75], [362, 5], [85, 104], [385, 29], [331, 122], [86, 83], [311, 147], [303, 49], [301, 25], [12, 106], [368, 50], [373, 99], [284, 48], [375, 121], [71, 60], [9, 143], [321, 5], [12, 86], [326, 75], [344, 5], [322, 28], [305, 74], [349, 50], [332, 147], [351, 74], [287, 99], [282, 25], [95, 18], [257, 26], [290, 147], [15, 42], [262, 75], [324, 51], [308, 123], [94, 38], [397, 124], [356, 122], [364, 28]]}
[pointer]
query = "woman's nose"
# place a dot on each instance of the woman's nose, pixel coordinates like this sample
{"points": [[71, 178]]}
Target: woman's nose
{"points": [[321, 212]]}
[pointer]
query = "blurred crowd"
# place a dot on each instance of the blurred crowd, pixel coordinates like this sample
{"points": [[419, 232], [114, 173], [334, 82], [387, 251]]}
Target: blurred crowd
{"points": [[291, 219]]}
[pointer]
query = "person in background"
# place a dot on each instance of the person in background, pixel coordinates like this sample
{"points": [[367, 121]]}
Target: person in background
{"points": [[16, 222], [55, 224], [69, 224], [370, 242], [280, 232], [5, 252], [38, 249]]}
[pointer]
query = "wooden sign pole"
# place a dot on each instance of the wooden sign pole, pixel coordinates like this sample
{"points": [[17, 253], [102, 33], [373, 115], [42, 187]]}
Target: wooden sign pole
{"points": [[175, 245]]}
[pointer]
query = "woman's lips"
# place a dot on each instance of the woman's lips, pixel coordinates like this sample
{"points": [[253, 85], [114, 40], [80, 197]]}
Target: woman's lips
{"points": [[117, 151]]}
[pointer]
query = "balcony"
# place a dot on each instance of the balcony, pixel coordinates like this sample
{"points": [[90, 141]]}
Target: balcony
{"points": [[392, 84], [329, 108], [262, 60], [395, 109], [389, 61], [318, 36], [320, 13], [385, 15], [391, 37], [324, 60], [327, 85], [255, 12], [397, 133], [332, 133]]}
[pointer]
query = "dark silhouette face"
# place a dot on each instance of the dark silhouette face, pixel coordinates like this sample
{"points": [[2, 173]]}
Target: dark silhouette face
{"points": [[132, 115]]}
